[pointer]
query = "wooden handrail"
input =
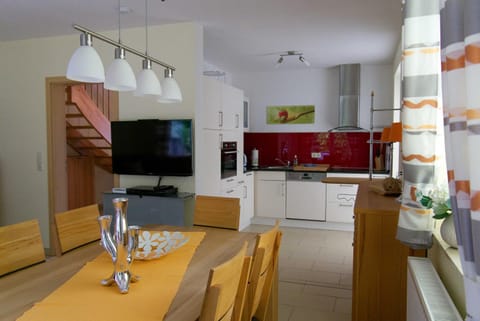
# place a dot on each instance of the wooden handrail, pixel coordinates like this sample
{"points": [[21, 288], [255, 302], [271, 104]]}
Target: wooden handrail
{"points": [[78, 96]]}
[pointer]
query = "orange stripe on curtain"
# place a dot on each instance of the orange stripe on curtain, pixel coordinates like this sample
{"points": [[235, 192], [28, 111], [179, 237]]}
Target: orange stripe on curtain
{"points": [[458, 112], [423, 126], [473, 114], [416, 210], [463, 186], [455, 63], [419, 157], [424, 51], [472, 53], [475, 201], [421, 104], [444, 66]]}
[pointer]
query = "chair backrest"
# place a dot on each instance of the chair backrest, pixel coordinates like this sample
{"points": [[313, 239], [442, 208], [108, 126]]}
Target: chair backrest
{"points": [[77, 227], [223, 287], [263, 272], [217, 211], [20, 246]]}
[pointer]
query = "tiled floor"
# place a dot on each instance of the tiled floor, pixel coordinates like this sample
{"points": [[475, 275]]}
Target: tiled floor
{"points": [[315, 274]]}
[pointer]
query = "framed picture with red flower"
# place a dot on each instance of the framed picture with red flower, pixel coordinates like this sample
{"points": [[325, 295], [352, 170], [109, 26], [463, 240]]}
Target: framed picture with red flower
{"points": [[291, 114]]}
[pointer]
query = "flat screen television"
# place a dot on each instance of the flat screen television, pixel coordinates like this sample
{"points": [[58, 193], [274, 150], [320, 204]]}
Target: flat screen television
{"points": [[152, 147]]}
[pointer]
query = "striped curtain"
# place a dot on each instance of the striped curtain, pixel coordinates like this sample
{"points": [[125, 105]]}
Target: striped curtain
{"points": [[460, 25], [421, 116]]}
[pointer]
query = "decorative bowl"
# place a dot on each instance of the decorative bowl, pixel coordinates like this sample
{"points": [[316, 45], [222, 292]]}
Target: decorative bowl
{"points": [[155, 244]]}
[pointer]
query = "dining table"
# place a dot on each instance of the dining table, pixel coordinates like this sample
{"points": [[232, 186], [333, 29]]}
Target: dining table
{"points": [[20, 291]]}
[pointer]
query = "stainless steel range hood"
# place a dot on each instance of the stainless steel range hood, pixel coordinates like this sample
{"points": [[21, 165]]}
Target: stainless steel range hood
{"points": [[349, 98]]}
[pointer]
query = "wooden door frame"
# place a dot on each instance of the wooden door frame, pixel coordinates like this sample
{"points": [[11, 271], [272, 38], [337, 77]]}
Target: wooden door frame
{"points": [[56, 146]]}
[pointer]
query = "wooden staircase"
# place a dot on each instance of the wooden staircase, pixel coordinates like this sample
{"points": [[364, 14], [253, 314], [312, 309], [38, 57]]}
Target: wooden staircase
{"points": [[88, 122]]}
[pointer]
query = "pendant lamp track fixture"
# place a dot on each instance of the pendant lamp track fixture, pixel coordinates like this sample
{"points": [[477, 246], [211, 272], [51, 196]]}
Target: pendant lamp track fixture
{"points": [[121, 45], [85, 65]]}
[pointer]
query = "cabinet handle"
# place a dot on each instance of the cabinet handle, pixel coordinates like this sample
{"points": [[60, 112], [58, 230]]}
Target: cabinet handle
{"points": [[230, 191], [241, 182], [245, 190], [282, 189], [346, 185], [220, 141], [346, 205], [220, 119], [230, 180], [237, 121]]}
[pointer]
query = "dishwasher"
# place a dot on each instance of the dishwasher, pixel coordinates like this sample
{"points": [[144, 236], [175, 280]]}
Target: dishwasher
{"points": [[306, 196]]}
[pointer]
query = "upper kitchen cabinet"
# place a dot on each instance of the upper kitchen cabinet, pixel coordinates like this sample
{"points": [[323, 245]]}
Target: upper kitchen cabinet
{"points": [[223, 106]]}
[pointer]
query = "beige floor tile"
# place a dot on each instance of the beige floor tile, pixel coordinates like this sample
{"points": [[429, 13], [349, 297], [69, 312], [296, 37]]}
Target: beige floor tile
{"points": [[321, 265], [300, 314], [330, 255], [343, 305], [315, 274], [315, 302], [337, 292], [346, 279], [284, 312]]}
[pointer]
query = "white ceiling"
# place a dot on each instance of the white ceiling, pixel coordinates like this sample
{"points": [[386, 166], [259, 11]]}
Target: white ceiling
{"points": [[239, 35]]}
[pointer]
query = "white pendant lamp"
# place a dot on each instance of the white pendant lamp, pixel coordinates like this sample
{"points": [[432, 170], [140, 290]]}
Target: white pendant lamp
{"points": [[120, 76], [85, 64], [147, 81], [170, 90]]}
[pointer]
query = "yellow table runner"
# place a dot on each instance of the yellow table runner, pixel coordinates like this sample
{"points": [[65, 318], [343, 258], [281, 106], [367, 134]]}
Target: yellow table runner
{"points": [[83, 298]]}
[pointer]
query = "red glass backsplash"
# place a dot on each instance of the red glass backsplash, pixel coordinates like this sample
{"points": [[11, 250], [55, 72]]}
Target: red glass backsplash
{"points": [[342, 149]]}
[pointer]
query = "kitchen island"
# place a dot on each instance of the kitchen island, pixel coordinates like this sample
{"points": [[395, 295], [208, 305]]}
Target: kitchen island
{"points": [[379, 259]]}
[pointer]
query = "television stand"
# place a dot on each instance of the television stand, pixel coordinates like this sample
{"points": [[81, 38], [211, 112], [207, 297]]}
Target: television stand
{"points": [[162, 190], [143, 209]]}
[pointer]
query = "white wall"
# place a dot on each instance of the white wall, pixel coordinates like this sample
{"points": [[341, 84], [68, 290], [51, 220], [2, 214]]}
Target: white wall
{"points": [[319, 87], [25, 65]]}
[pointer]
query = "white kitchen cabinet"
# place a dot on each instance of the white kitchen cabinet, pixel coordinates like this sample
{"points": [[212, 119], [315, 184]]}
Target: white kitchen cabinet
{"points": [[340, 202], [242, 188], [248, 196], [207, 171], [270, 194], [223, 106]]}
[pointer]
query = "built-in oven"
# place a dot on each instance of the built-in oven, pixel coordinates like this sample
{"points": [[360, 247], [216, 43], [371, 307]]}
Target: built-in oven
{"points": [[229, 159]]}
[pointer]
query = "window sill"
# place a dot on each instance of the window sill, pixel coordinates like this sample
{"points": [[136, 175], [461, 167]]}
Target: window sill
{"points": [[446, 261]]}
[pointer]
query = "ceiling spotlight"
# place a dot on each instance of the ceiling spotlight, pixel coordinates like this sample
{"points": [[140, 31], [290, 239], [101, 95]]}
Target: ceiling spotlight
{"points": [[305, 61], [279, 61]]}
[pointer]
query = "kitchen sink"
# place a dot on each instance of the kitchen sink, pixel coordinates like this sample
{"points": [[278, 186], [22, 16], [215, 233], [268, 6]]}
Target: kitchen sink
{"points": [[277, 167]]}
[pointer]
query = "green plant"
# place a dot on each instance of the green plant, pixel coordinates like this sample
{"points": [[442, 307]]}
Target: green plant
{"points": [[438, 201]]}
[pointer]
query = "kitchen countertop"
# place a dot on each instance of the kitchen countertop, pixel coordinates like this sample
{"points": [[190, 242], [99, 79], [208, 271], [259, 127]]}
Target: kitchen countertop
{"points": [[343, 180], [296, 168], [323, 168]]}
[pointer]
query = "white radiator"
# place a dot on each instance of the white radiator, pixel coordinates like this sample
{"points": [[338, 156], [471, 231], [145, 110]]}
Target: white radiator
{"points": [[427, 298]]}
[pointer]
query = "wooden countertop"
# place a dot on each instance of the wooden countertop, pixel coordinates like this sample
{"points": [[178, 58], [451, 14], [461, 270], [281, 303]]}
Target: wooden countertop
{"points": [[370, 202], [311, 167], [343, 180]]}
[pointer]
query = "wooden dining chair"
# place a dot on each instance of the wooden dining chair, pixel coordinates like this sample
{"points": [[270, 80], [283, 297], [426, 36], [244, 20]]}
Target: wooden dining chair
{"points": [[77, 227], [20, 246], [260, 288], [226, 284]]}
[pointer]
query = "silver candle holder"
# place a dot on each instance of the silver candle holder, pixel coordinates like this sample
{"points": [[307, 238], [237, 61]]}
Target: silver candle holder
{"points": [[121, 246]]}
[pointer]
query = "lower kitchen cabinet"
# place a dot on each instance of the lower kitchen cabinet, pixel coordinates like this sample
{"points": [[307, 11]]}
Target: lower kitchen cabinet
{"points": [[379, 259], [270, 194], [340, 202]]}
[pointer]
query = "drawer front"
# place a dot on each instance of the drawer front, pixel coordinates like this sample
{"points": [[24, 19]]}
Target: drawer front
{"points": [[340, 202]]}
